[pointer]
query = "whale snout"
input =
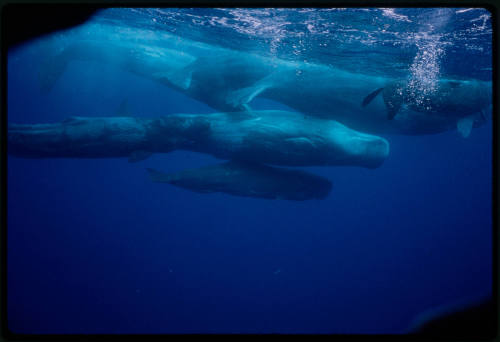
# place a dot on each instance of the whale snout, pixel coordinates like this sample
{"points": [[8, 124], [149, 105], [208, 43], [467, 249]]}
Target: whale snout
{"points": [[370, 149], [379, 147], [376, 150], [358, 148]]}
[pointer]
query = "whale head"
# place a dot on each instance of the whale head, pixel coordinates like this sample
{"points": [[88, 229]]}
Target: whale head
{"points": [[447, 98], [367, 150]]}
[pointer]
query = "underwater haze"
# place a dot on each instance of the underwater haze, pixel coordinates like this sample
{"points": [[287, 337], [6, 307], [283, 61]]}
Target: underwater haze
{"points": [[96, 246]]}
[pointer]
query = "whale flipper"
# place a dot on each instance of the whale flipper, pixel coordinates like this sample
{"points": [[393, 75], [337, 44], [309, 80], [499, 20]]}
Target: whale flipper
{"points": [[392, 100], [464, 126], [369, 98], [180, 78], [394, 94], [241, 97], [392, 110], [302, 141]]}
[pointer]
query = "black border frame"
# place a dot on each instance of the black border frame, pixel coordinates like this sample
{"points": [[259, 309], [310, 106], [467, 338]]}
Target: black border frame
{"points": [[89, 5]]}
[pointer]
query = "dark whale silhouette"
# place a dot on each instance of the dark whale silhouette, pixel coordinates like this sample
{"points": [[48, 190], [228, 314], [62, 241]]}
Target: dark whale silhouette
{"points": [[246, 179]]}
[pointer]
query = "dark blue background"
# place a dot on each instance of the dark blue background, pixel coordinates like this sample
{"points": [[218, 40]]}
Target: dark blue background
{"points": [[95, 247]]}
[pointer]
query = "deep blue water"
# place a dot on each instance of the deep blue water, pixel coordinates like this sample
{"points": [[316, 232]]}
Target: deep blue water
{"points": [[95, 247]]}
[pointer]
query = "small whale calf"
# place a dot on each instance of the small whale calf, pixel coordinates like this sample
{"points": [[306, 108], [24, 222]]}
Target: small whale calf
{"points": [[240, 178]]}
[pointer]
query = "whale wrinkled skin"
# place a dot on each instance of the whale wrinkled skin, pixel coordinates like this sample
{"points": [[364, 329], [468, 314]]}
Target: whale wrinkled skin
{"points": [[268, 137], [229, 80]]}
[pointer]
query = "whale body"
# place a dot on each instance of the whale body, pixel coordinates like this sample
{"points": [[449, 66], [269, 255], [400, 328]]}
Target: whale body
{"points": [[246, 179], [279, 138], [229, 80]]}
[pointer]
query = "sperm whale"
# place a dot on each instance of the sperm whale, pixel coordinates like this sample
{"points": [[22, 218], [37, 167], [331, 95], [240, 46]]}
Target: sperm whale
{"points": [[230, 80], [279, 138]]}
